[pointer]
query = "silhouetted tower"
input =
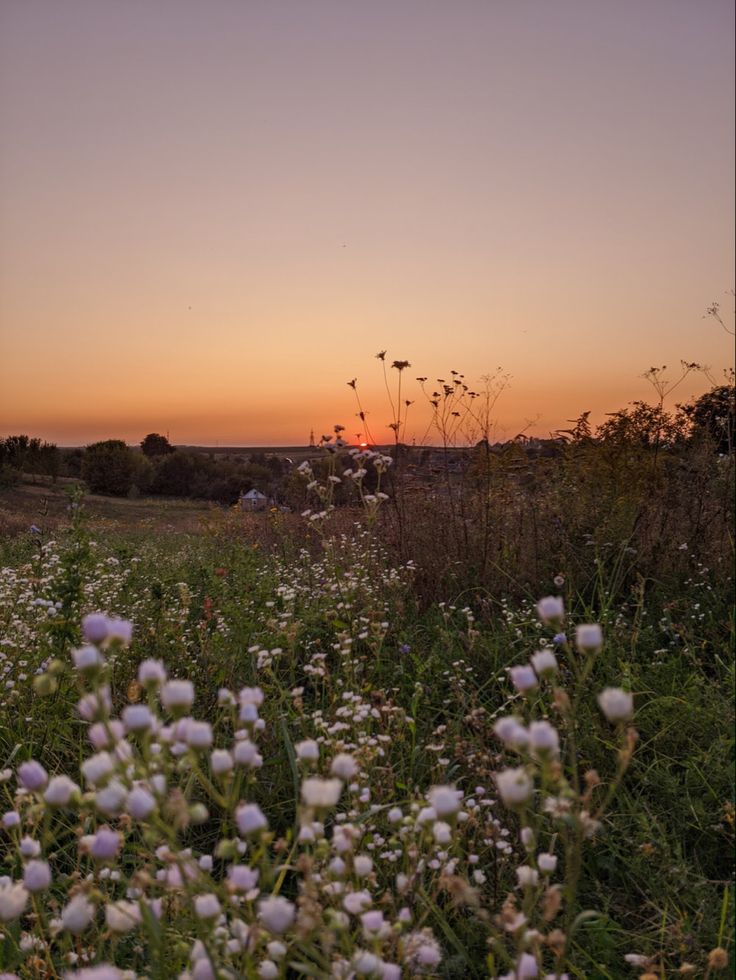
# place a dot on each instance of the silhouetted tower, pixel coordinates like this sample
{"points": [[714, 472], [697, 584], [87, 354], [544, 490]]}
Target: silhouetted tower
{"points": [[311, 439]]}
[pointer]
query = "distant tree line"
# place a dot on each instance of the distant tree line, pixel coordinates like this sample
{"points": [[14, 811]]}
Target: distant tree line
{"points": [[160, 469]]}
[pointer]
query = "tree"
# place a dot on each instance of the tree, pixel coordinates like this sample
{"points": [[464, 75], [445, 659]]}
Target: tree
{"points": [[110, 467], [156, 445], [715, 413]]}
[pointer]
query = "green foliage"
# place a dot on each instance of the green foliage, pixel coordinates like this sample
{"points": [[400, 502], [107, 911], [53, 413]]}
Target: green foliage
{"points": [[156, 445], [112, 467]]}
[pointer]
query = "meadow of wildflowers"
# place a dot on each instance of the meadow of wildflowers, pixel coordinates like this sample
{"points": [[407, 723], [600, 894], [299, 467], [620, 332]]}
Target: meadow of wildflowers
{"points": [[219, 760]]}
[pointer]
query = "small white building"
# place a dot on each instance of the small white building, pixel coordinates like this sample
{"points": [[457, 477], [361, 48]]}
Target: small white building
{"points": [[253, 500]]}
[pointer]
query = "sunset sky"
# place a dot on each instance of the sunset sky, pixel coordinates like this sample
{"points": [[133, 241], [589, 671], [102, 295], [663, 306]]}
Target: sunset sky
{"points": [[214, 214]]}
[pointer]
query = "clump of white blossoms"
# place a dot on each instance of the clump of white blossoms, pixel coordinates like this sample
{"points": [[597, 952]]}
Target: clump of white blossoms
{"points": [[171, 828]]}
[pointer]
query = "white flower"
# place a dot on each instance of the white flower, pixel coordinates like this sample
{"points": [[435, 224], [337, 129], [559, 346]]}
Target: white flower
{"points": [[221, 761], [94, 627], [137, 717], [37, 876], [177, 694], [527, 877], [344, 766], [523, 678], [444, 800], [13, 900], [268, 970], [151, 672], [321, 793], [547, 863], [111, 799], [246, 754], [394, 815], [98, 767], [29, 847], [543, 737], [357, 902], [276, 913], [250, 818], [122, 916], [77, 915], [206, 907], [140, 803], [514, 786], [60, 791], [32, 775], [198, 735], [307, 751], [544, 662], [551, 609], [442, 832], [511, 732], [241, 877], [526, 968], [87, 659], [589, 637], [362, 865], [616, 705]]}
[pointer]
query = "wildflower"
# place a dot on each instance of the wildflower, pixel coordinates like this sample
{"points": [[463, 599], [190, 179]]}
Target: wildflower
{"points": [[543, 738], [526, 968], [13, 900], [551, 609], [105, 844], [523, 678], [95, 705], [616, 705], [206, 907], [29, 847], [344, 766], [140, 804], [120, 630], [356, 902], [246, 754], [98, 767], [94, 628], [221, 761], [321, 793], [137, 718], [88, 659], [589, 637], [544, 662], [276, 913], [249, 817], [111, 799], [444, 800], [102, 735], [527, 877], [60, 791], [242, 878], [511, 732], [151, 673], [394, 815], [718, 958], [547, 863], [442, 832], [560, 639], [307, 751], [177, 694], [37, 876], [198, 735], [122, 916], [77, 915], [514, 786], [32, 775], [104, 971], [362, 865]]}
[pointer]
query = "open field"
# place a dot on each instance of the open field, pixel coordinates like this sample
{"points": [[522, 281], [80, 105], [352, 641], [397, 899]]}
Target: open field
{"points": [[393, 771]]}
